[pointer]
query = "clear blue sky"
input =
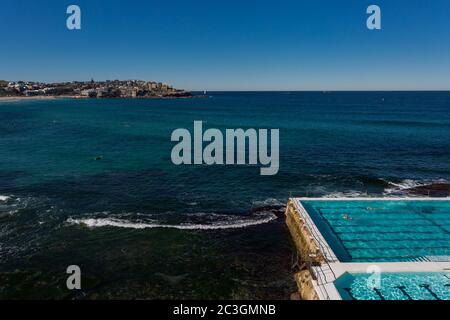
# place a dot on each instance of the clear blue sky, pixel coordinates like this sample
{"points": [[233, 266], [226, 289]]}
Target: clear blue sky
{"points": [[228, 45]]}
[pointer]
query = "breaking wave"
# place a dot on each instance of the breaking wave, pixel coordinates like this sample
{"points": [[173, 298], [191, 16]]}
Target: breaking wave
{"points": [[348, 194], [268, 203], [212, 222], [9, 205], [408, 184], [4, 198], [406, 187], [12, 204]]}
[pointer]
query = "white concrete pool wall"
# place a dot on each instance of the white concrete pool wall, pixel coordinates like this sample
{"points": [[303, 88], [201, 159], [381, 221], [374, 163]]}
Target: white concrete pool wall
{"points": [[326, 289]]}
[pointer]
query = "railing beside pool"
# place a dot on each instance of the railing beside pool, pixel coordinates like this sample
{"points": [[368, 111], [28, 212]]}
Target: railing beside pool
{"points": [[324, 248], [319, 271], [322, 279], [365, 194]]}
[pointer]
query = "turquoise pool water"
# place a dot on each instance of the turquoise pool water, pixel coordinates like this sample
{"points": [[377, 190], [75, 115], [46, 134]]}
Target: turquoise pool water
{"points": [[384, 231], [395, 286]]}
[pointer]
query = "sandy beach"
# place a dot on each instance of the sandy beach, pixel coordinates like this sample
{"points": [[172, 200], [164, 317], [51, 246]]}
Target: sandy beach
{"points": [[16, 99]]}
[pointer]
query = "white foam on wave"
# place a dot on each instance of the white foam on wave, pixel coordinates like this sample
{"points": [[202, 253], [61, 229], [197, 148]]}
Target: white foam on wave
{"points": [[268, 202], [348, 194], [410, 184], [220, 225], [4, 198]]}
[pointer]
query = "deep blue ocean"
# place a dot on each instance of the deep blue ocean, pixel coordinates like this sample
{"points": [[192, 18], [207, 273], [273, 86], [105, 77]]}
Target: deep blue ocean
{"points": [[91, 183]]}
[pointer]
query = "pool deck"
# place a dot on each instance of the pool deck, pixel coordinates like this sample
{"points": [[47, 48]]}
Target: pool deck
{"points": [[325, 271]]}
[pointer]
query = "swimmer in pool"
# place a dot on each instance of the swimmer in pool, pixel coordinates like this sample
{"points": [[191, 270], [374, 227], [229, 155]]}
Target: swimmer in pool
{"points": [[346, 216]]}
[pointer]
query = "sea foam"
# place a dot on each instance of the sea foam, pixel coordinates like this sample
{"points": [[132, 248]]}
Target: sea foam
{"points": [[4, 198], [347, 194], [410, 184], [219, 225]]}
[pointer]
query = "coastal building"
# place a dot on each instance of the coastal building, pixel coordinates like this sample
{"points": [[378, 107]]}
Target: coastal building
{"points": [[102, 92], [93, 89], [49, 90], [33, 93], [152, 86], [91, 93]]}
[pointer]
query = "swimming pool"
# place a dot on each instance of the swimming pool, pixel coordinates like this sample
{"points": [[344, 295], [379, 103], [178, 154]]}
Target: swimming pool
{"points": [[395, 286], [383, 230]]}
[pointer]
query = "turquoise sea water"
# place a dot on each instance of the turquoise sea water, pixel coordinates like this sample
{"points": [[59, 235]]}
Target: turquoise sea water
{"points": [[141, 227], [395, 286], [394, 231]]}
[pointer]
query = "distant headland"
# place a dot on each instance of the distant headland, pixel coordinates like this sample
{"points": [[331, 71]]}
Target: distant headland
{"points": [[10, 90]]}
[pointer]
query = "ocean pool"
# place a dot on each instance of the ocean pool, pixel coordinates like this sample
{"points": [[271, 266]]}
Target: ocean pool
{"points": [[384, 230]]}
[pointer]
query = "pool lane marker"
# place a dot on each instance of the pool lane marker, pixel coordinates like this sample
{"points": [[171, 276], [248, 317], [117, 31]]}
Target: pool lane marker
{"points": [[427, 287], [379, 293], [333, 232], [433, 222], [403, 290]]}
